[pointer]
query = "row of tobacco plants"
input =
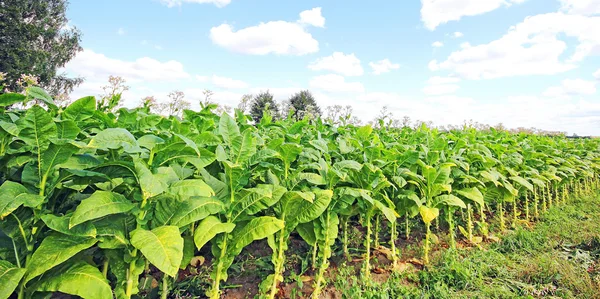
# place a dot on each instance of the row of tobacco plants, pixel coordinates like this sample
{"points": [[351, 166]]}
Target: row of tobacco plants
{"points": [[91, 199]]}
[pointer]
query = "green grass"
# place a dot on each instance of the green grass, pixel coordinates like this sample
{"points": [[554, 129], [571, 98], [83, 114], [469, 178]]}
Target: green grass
{"points": [[550, 260]]}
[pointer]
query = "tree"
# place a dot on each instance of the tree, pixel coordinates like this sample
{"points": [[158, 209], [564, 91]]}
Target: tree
{"points": [[302, 104], [261, 102], [36, 40]]}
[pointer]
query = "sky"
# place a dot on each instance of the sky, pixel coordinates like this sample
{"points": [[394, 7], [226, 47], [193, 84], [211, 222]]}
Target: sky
{"points": [[522, 63]]}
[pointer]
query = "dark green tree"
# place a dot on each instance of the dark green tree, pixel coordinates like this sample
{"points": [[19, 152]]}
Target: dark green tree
{"points": [[303, 103], [260, 102], [35, 40]]}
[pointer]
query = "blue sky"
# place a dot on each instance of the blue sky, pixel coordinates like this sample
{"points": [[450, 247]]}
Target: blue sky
{"points": [[525, 63]]}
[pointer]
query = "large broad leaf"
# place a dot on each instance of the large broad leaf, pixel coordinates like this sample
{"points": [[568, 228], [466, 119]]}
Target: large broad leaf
{"points": [[253, 200], [55, 155], [13, 195], [473, 194], [312, 178], [188, 188], [428, 214], [100, 204], [150, 184], [289, 152], [523, 182], [80, 279], [54, 250], [162, 246], [300, 210], [243, 147], [258, 228], [228, 128], [81, 109], [181, 213], [449, 200], [61, 225], [112, 231], [389, 213], [114, 138], [209, 228], [307, 232], [37, 128], [34, 92], [10, 276], [67, 130], [10, 98]]}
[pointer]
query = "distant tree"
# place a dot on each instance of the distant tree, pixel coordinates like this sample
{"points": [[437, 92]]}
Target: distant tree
{"points": [[262, 102], [303, 103], [245, 101], [36, 40]]}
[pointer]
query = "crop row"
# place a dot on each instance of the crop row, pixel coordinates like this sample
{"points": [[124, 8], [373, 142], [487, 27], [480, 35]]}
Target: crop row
{"points": [[90, 199]]}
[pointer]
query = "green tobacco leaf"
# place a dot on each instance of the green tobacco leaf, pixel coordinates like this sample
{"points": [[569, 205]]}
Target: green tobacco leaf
{"points": [[81, 109], [312, 178], [61, 225], [188, 188], [188, 251], [55, 155], [9, 197], [35, 92], [523, 182], [67, 130], [243, 147], [450, 200], [307, 233], [258, 228], [228, 129], [8, 99], [209, 228], [195, 209], [150, 141], [150, 184], [80, 279], [100, 204], [10, 276], [253, 200], [162, 246], [388, 212], [37, 128], [299, 210], [114, 138], [54, 250], [112, 231], [473, 194]]}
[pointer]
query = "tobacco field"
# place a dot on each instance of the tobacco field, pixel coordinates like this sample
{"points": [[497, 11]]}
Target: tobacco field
{"points": [[93, 202]]}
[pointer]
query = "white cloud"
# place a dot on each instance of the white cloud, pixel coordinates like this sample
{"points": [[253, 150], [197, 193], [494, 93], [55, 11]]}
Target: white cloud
{"points": [[571, 87], [121, 31], [383, 66], [583, 7], [335, 83], [277, 37], [312, 17], [95, 65], [597, 74], [532, 47], [436, 80], [458, 34], [202, 78], [217, 3], [228, 83], [158, 47], [465, 45], [338, 62], [433, 65], [437, 12], [437, 44], [436, 90]]}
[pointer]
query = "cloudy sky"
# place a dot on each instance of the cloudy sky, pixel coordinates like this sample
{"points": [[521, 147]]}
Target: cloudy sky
{"points": [[529, 63]]}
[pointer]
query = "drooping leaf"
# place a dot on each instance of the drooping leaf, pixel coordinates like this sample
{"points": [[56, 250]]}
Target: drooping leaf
{"points": [[80, 279], [208, 228], [188, 188], [300, 210], [228, 129], [258, 228], [55, 249], [34, 92], [162, 246], [10, 198], [100, 204], [150, 184], [114, 138], [10, 98], [61, 225], [450, 200], [10, 276], [473, 194]]}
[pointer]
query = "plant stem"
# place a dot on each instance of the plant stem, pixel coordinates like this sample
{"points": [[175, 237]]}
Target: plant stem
{"points": [[105, 268], [367, 270], [451, 229], [278, 265], [426, 244], [393, 244], [501, 214], [165, 287]]}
